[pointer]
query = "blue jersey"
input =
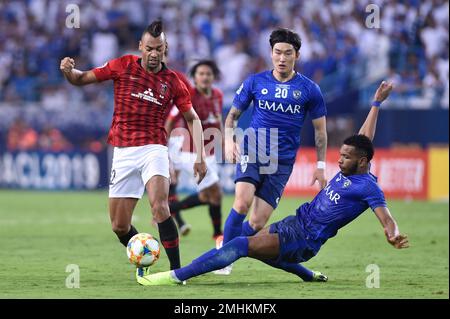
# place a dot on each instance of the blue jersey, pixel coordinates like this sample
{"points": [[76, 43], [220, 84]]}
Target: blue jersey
{"points": [[339, 203], [280, 105]]}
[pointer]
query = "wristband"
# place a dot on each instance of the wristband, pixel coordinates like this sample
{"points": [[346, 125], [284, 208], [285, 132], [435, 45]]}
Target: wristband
{"points": [[376, 103], [321, 165]]}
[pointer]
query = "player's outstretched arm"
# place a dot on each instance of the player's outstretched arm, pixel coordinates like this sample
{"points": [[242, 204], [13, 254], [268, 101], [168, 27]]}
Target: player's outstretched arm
{"points": [[196, 130], [232, 153], [370, 124], [320, 136], [391, 230], [74, 76]]}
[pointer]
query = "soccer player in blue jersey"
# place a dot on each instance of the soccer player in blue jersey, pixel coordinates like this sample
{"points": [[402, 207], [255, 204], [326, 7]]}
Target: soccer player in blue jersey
{"points": [[298, 238], [281, 100]]}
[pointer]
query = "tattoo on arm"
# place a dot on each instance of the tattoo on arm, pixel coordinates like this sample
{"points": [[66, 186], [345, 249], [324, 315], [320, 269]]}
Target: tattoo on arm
{"points": [[321, 145], [232, 117]]}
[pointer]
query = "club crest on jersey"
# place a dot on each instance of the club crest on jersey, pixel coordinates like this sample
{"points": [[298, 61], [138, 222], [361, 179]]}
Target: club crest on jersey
{"points": [[244, 161], [297, 94], [163, 88], [264, 91], [347, 183]]}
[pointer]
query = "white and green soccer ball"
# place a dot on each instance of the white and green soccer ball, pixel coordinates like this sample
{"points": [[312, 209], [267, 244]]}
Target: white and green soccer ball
{"points": [[143, 250]]}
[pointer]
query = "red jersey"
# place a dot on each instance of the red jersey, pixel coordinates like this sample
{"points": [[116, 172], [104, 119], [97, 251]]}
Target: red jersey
{"points": [[142, 101], [209, 110], [175, 114]]}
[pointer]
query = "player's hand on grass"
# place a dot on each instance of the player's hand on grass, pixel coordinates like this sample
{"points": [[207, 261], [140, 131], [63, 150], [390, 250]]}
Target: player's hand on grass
{"points": [[67, 64], [319, 176], [400, 241], [200, 170], [383, 91], [232, 152]]}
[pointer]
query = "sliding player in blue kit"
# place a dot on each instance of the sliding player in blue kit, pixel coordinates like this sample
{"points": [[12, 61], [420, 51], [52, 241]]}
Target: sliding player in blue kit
{"points": [[298, 238]]}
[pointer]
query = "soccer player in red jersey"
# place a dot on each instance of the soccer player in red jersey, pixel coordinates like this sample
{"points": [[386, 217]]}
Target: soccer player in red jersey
{"points": [[143, 90], [207, 102]]}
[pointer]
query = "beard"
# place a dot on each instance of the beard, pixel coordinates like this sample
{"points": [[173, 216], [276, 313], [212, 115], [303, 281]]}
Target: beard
{"points": [[352, 170]]}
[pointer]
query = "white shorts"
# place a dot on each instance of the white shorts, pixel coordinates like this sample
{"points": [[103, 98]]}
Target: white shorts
{"points": [[132, 167], [175, 144], [187, 165]]}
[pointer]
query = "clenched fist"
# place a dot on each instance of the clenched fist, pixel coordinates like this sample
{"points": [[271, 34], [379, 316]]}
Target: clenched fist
{"points": [[67, 64], [383, 91]]}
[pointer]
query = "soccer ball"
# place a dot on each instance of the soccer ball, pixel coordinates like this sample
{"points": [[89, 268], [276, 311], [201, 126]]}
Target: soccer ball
{"points": [[143, 250]]}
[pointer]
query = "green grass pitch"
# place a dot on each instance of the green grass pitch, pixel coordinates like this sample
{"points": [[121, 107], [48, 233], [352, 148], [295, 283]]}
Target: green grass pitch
{"points": [[43, 232]]}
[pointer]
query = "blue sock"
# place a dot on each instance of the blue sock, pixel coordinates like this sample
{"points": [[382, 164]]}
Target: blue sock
{"points": [[204, 257], [215, 259], [296, 269], [233, 226], [247, 230]]}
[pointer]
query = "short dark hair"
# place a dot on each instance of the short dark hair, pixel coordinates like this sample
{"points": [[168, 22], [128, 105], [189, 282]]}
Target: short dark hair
{"points": [[154, 29], [286, 36], [215, 69], [362, 144]]}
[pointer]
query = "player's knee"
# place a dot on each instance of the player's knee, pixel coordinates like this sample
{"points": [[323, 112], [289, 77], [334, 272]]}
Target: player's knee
{"points": [[120, 229], [160, 210], [241, 206], [257, 225]]}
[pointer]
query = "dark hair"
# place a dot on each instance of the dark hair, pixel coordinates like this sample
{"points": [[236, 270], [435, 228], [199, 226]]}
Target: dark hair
{"points": [[286, 36], [362, 144], [154, 29], [215, 69]]}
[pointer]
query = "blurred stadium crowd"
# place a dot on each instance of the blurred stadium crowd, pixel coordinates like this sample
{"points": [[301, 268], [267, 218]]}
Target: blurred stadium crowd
{"points": [[339, 52]]}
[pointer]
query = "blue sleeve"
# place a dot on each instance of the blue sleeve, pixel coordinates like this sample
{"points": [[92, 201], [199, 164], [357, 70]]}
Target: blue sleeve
{"points": [[374, 196], [244, 95], [316, 103]]}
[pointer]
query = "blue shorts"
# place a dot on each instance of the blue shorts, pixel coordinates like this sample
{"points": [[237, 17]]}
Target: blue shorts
{"points": [[294, 247], [269, 187]]}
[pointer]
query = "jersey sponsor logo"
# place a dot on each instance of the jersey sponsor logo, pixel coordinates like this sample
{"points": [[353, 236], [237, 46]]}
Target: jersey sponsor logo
{"points": [[279, 107], [297, 94], [264, 91], [244, 161], [332, 194], [147, 96]]}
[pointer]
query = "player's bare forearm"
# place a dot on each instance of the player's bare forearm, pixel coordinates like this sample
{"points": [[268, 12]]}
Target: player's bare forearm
{"points": [[74, 76], [320, 136], [390, 227], [369, 126], [232, 153], [196, 130], [232, 117]]}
